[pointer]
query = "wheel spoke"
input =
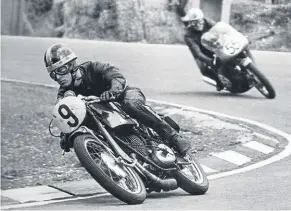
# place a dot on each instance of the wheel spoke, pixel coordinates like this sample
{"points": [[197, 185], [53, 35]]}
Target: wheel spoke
{"points": [[192, 171], [258, 84], [110, 173], [96, 150]]}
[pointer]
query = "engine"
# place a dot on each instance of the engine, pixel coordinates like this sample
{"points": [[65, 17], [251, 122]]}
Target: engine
{"points": [[160, 154]]}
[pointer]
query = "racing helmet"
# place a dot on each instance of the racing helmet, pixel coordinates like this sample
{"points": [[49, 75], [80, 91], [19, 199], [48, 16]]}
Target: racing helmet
{"points": [[193, 14], [58, 55]]}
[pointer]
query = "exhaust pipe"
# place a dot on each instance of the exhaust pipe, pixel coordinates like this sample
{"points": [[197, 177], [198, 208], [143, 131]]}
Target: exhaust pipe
{"points": [[164, 184], [209, 81]]}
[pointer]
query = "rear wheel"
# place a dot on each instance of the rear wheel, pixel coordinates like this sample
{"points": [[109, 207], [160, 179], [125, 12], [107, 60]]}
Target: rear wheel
{"points": [[191, 178], [119, 180], [263, 85]]}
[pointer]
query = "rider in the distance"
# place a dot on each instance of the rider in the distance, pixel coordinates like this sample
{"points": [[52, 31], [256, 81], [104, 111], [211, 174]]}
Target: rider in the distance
{"points": [[196, 25]]}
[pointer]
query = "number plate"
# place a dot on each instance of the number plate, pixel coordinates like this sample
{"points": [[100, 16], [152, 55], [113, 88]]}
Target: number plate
{"points": [[69, 113], [223, 40]]}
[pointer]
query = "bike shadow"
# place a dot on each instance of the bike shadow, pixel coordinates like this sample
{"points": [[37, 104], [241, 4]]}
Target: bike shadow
{"points": [[110, 201], [215, 94], [157, 195]]}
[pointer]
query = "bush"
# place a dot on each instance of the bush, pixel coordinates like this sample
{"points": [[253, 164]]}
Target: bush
{"points": [[278, 15]]}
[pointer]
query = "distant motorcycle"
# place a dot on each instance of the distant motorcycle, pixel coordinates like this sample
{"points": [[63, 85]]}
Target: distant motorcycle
{"points": [[242, 74], [124, 156]]}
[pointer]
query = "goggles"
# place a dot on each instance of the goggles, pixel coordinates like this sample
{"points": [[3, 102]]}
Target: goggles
{"points": [[195, 23], [63, 70]]}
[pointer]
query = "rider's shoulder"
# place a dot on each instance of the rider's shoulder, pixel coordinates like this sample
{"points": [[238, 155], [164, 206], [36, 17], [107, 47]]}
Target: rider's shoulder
{"points": [[210, 22], [86, 64]]}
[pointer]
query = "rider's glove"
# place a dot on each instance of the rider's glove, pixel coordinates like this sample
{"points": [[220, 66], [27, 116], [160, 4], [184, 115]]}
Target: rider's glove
{"points": [[69, 93], [108, 95], [64, 143]]}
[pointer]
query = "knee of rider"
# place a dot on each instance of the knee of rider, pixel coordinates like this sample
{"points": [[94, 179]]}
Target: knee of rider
{"points": [[131, 105]]}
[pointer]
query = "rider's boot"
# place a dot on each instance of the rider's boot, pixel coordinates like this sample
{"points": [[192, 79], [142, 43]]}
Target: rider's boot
{"points": [[208, 72], [222, 81], [219, 85], [180, 143]]}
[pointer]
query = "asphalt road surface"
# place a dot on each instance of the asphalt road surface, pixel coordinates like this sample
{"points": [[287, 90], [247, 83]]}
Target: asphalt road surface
{"points": [[169, 73]]}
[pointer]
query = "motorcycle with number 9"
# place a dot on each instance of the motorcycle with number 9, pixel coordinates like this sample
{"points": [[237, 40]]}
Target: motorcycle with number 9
{"points": [[124, 156], [241, 73]]}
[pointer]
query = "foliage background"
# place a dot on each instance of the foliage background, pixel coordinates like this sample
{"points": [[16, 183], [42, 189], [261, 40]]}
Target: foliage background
{"points": [[152, 21]]}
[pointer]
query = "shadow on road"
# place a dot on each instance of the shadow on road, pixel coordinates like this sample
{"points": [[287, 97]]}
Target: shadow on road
{"points": [[155, 195], [111, 201], [214, 94]]}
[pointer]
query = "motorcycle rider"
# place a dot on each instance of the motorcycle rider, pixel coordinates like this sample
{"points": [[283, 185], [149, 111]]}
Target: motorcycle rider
{"points": [[196, 25], [105, 80]]}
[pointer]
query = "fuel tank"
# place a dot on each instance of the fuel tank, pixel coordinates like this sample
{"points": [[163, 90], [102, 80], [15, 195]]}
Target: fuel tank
{"points": [[112, 115]]}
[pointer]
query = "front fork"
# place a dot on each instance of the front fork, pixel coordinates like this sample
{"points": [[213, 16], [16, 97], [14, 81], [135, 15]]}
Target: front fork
{"points": [[245, 63]]}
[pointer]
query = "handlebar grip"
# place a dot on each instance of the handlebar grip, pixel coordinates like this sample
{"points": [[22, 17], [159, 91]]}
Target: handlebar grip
{"points": [[69, 93], [94, 101]]}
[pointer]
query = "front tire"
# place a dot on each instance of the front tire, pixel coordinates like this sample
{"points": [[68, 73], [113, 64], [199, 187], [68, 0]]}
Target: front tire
{"points": [[263, 85], [192, 178], [121, 181]]}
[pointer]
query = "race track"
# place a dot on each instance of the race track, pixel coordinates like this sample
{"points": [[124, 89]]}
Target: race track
{"points": [[169, 73]]}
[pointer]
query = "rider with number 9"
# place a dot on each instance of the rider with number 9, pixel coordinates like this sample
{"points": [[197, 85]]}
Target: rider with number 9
{"points": [[197, 25], [105, 81]]}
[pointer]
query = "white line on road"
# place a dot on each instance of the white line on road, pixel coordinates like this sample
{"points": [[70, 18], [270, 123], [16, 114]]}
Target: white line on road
{"points": [[40, 203], [266, 137], [37, 193], [259, 147], [207, 169], [232, 157]]}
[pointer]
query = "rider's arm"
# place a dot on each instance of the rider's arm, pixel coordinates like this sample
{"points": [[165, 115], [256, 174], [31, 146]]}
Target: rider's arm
{"points": [[110, 74], [196, 51], [60, 94]]}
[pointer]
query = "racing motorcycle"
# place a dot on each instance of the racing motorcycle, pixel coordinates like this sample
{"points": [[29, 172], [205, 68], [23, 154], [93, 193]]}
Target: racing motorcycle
{"points": [[241, 73], [124, 156]]}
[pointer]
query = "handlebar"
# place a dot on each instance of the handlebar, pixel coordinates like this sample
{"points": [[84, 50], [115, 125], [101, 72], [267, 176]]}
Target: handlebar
{"points": [[89, 99], [93, 99]]}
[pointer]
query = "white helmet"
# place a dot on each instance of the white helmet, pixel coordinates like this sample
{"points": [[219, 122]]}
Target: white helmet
{"points": [[193, 14]]}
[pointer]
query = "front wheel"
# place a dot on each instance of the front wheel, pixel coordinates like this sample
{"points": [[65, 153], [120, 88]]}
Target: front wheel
{"points": [[119, 180], [191, 178], [263, 85]]}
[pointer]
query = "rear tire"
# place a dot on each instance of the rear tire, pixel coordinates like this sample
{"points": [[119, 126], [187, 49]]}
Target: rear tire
{"points": [[270, 94], [81, 148], [193, 187]]}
